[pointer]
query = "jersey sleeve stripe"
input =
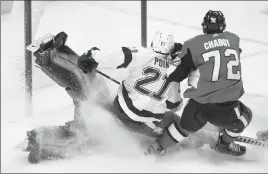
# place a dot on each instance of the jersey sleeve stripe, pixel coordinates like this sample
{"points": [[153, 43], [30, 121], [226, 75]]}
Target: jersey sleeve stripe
{"points": [[241, 117], [135, 114], [132, 115], [128, 58], [232, 134], [174, 132]]}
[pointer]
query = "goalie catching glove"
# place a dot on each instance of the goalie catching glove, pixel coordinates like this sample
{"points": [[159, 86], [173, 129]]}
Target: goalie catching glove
{"points": [[176, 50]]}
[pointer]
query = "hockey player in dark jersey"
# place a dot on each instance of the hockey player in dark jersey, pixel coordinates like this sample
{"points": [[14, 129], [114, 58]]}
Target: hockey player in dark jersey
{"points": [[211, 62]]}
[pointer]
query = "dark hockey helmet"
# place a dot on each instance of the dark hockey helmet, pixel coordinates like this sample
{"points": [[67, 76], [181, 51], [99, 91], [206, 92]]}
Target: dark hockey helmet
{"points": [[214, 22]]}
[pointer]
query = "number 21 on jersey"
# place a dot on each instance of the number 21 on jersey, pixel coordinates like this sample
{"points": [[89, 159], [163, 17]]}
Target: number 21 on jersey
{"points": [[152, 75], [217, 64]]}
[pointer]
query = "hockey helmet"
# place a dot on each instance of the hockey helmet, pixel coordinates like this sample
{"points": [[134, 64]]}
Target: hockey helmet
{"points": [[163, 43], [214, 22]]}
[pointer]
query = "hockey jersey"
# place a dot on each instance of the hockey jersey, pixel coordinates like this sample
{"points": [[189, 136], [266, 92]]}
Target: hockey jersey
{"points": [[145, 94], [215, 75]]}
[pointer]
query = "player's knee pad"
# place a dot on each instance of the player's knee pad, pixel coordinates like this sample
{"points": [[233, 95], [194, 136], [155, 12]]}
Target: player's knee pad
{"points": [[246, 113], [244, 119]]}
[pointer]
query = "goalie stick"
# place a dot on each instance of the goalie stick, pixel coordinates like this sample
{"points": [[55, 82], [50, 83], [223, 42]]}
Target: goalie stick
{"points": [[49, 41]]}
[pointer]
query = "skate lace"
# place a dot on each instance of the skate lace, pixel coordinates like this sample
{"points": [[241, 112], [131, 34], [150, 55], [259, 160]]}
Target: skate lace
{"points": [[234, 147]]}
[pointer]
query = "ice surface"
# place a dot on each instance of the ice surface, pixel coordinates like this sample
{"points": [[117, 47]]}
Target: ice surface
{"points": [[109, 25]]}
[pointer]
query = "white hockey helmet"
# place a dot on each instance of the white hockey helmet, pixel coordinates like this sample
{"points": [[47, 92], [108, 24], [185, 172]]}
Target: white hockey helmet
{"points": [[163, 42]]}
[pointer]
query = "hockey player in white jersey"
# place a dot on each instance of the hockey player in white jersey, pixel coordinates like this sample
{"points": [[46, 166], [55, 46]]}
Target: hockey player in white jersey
{"points": [[144, 96]]}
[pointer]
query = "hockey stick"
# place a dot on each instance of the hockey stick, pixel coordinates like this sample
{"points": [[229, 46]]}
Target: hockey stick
{"points": [[108, 77], [252, 141]]}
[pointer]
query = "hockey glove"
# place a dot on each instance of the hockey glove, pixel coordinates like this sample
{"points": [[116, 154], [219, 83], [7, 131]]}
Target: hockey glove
{"points": [[176, 51], [174, 107], [86, 63]]}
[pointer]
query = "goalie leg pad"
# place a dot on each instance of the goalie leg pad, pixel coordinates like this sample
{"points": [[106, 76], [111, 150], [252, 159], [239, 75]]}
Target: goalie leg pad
{"points": [[53, 142], [66, 79]]}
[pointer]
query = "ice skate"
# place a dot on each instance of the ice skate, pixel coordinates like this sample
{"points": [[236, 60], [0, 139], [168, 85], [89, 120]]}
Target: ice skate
{"points": [[230, 148]]}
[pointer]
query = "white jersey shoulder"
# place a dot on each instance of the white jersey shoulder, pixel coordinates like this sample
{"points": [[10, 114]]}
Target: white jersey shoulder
{"points": [[124, 57]]}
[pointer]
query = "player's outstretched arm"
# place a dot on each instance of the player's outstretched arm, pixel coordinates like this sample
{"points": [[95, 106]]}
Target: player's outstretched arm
{"points": [[183, 70]]}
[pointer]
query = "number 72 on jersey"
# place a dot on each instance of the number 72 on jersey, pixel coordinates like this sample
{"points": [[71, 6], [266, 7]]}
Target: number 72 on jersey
{"points": [[216, 55]]}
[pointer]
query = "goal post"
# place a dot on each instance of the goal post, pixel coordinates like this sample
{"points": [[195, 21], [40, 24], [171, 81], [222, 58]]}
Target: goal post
{"points": [[28, 54], [144, 23]]}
